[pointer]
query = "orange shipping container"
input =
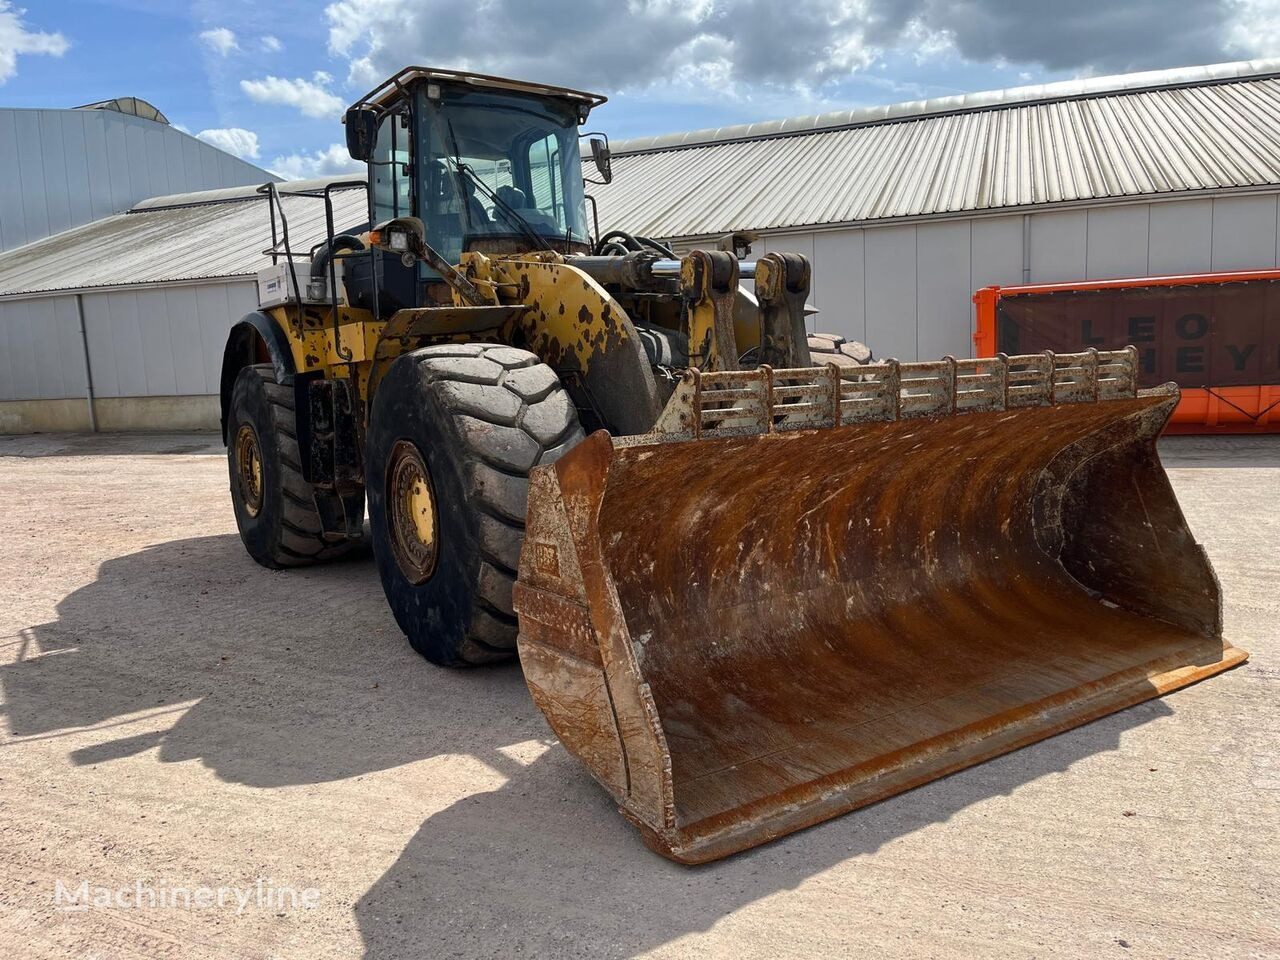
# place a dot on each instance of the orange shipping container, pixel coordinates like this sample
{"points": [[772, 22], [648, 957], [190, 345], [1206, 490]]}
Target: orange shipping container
{"points": [[1217, 335]]}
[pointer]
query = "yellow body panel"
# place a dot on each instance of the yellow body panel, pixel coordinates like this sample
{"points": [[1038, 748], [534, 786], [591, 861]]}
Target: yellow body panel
{"points": [[538, 301], [311, 337], [570, 317]]}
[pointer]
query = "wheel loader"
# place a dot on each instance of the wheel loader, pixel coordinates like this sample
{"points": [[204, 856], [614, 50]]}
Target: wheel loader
{"points": [[752, 584]]}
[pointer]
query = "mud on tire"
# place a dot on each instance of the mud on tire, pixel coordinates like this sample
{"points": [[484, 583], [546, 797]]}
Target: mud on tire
{"points": [[279, 526], [479, 417]]}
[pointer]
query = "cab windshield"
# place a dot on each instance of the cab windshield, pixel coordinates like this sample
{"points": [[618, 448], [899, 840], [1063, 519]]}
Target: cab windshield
{"points": [[497, 165]]}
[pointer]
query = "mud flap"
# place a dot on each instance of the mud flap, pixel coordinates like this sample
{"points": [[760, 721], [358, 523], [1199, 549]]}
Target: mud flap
{"points": [[814, 592]]}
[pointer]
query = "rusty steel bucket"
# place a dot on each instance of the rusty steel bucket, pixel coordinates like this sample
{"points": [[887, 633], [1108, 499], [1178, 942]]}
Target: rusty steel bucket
{"points": [[809, 590]]}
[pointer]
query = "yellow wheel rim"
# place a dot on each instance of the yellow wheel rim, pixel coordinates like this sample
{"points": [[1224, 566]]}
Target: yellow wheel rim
{"points": [[411, 513], [249, 469]]}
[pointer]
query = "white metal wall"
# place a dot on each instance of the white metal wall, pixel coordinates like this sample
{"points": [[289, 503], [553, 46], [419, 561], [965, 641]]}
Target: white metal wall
{"points": [[906, 289], [64, 168], [161, 341], [41, 353]]}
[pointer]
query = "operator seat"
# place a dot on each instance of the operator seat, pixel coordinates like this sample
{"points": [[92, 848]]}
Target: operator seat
{"points": [[476, 212], [513, 197]]}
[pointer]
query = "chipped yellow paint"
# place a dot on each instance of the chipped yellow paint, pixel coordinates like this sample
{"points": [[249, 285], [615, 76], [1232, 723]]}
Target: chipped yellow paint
{"points": [[703, 349], [486, 287], [571, 318], [711, 313], [570, 321], [311, 339]]}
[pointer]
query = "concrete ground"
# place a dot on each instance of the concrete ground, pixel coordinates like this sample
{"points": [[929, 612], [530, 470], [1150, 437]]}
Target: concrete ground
{"points": [[175, 717]]}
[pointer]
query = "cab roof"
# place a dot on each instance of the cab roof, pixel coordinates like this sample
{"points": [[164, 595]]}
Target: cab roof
{"points": [[391, 88]]}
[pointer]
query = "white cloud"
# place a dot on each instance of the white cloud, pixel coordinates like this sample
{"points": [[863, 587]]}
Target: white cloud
{"points": [[332, 161], [1253, 28], [16, 39], [234, 140], [270, 44], [757, 49], [924, 42], [720, 47], [220, 40], [312, 97]]}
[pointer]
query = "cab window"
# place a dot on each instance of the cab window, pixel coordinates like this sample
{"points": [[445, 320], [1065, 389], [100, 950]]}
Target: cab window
{"points": [[544, 178], [390, 169]]}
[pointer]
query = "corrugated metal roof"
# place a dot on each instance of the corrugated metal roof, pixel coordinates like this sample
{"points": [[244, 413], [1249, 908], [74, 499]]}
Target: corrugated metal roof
{"points": [[202, 239], [1219, 134], [983, 100], [244, 192], [1205, 128]]}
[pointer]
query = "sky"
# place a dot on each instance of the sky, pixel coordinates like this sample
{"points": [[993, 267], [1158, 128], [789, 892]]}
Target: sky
{"points": [[268, 79]]}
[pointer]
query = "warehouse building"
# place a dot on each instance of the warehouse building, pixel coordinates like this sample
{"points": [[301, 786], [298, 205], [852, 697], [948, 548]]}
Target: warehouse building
{"points": [[904, 210], [120, 324], [67, 173], [64, 168]]}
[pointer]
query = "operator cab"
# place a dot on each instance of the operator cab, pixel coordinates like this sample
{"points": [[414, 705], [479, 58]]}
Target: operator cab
{"points": [[487, 164]]}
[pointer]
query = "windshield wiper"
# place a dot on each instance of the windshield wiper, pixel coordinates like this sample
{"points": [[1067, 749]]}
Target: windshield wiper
{"points": [[513, 218], [512, 215]]}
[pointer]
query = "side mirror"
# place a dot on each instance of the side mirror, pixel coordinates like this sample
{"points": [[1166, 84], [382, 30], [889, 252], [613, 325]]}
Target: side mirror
{"points": [[362, 132], [600, 154]]}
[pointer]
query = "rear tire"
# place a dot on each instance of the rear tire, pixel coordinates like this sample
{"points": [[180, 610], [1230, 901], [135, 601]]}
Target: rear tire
{"points": [[274, 507], [454, 431]]}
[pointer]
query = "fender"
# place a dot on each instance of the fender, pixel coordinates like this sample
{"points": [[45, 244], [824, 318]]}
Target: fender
{"points": [[243, 349], [574, 325]]}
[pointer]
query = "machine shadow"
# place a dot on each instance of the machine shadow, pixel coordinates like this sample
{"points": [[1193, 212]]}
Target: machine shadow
{"points": [[296, 677], [547, 860], [269, 678], [32, 446], [1245, 451]]}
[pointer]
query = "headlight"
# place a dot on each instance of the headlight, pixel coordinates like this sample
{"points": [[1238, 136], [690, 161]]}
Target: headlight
{"points": [[403, 235]]}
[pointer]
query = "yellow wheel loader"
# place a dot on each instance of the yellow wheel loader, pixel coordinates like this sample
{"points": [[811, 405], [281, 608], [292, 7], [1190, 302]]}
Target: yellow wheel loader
{"points": [[753, 584]]}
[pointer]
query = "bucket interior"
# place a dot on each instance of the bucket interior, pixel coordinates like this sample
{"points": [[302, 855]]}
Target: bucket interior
{"points": [[831, 603]]}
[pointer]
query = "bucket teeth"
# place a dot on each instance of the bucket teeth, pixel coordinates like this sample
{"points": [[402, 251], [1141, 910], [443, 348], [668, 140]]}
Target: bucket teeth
{"points": [[810, 589]]}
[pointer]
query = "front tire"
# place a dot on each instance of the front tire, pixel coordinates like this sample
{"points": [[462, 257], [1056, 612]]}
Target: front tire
{"points": [[454, 431], [274, 506]]}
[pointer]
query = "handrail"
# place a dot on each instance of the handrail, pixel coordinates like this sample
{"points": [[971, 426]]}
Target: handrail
{"points": [[274, 203]]}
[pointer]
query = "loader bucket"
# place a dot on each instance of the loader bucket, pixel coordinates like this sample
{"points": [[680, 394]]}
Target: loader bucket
{"points": [[811, 589]]}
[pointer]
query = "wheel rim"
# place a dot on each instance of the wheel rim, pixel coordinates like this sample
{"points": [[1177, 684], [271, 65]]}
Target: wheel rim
{"points": [[411, 513], [249, 469]]}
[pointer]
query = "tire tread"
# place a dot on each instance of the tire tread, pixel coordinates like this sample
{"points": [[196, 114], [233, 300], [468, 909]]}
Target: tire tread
{"points": [[486, 459], [302, 541]]}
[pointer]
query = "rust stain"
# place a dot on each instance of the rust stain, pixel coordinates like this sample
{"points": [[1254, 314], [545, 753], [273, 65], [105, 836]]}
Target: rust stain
{"points": [[547, 559], [810, 621]]}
